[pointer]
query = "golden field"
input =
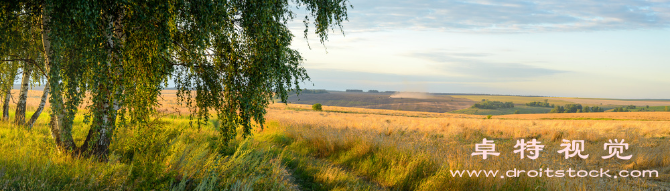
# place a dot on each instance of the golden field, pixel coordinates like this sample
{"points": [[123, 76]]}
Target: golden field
{"points": [[345, 148], [448, 141]]}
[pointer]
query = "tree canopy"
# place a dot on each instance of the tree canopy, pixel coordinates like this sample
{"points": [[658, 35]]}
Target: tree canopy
{"points": [[224, 57]]}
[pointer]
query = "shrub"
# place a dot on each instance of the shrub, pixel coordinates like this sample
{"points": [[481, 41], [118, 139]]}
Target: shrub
{"points": [[486, 104], [539, 104], [316, 107]]}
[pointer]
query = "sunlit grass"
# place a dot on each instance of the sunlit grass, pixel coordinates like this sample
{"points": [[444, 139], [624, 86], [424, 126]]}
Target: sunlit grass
{"points": [[338, 149]]}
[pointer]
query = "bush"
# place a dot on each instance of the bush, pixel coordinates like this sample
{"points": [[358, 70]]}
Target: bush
{"points": [[575, 108], [486, 104], [316, 107], [539, 104]]}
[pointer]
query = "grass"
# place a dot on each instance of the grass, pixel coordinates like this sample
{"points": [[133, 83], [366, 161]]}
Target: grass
{"points": [[651, 108], [516, 99], [504, 111], [387, 149], [632, 116], [429, 103], [354, 149], [173, 156]]}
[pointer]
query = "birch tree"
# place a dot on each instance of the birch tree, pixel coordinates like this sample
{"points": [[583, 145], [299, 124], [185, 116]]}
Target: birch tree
{"points": [[228, 59], [22, 46]]}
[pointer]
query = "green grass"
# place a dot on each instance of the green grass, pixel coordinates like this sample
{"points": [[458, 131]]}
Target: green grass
{"points": [[651, 108], [504, 111], [171, 156]]}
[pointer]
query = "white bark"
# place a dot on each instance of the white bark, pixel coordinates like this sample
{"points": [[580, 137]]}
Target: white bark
{"points": [[20, 115], [43, 102], [5, 106]]}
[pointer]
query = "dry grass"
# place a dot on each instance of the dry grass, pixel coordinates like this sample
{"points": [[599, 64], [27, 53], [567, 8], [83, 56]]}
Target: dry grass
{"points": [[639, 116], [447, 141], [346, 148], [613, 102]]}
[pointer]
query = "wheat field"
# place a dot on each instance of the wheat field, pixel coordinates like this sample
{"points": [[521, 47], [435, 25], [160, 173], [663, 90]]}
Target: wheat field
{"points": [[448, 140]]}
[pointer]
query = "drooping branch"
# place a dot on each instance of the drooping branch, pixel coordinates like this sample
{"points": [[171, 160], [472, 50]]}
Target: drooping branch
{"points": [[31, 61]]}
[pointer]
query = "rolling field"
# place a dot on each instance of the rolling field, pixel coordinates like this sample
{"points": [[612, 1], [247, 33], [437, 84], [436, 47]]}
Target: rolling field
{"points": [[634, 116], [429, 103], [342, 148], [516, 99], [504, 111], [614, 102]]}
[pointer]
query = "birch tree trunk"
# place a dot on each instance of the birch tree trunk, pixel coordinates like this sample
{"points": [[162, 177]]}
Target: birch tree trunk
{"points": [[107, 104], [61, 133], [5, 106], [8, 95], [20, 114], [43, 102]]}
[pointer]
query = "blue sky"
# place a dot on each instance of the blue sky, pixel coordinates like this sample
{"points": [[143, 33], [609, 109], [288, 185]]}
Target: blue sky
{"points": [[605, 49]]}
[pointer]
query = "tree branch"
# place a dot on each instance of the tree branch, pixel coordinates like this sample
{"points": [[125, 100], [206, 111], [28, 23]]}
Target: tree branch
{"points": [[29, 61]]}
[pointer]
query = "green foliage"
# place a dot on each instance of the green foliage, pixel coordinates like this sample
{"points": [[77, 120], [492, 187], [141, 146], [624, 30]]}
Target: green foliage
{"points": [[620, 109], [231, 57], [627, 108], [575, 108], [486, 104], [516, 112], [593, 109], [572, 108], [503, 111], [539, 104], [489, 116], [557, 109], [316, 107]]}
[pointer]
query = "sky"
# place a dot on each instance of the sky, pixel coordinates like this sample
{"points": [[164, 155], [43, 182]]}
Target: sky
{"points": [[585, 48]]}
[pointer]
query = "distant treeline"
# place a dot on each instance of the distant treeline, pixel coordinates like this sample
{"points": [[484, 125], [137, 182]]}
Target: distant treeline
{"points": [[311, 91], [576, 108], [540, 104], [486, 104], [626, 108]]}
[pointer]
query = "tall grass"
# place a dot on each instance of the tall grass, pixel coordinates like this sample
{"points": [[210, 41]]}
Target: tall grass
{"points": [[409, 153], [171, 156], [352, 149]]}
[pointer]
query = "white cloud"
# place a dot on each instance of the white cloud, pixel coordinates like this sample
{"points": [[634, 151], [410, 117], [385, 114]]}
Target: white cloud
{"points": [[508, 15], [472, 65]]}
